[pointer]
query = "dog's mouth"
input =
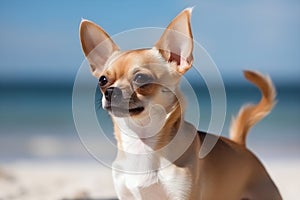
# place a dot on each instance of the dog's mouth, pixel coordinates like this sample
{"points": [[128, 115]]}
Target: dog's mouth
{"points": [[121, 111]]}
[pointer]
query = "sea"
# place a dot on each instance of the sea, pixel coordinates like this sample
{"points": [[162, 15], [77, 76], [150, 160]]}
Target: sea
{"points": [[36, 121]]}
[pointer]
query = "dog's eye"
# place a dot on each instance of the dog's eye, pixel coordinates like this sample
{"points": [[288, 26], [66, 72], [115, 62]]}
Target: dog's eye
{"points": [[142, 79], [103, 81]]}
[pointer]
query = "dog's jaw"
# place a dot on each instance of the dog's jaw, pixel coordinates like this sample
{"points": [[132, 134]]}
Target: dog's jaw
{"points": [[121, 111]]}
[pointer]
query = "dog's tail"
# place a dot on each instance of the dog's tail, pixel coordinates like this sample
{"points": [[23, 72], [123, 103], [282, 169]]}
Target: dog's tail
{"points": [[250, 114]]}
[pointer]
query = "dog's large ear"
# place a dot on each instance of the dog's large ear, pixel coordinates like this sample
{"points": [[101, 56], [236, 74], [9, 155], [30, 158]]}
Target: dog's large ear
{"points": [[176, 43], [96, 45]]}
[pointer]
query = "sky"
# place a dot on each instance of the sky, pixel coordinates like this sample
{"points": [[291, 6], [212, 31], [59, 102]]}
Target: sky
{"points": [[39, 39]]}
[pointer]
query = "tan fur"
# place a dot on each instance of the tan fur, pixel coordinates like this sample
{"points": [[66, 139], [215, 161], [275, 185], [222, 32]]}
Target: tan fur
{"points": [[249, 115], [167, 133], [230, 171]]}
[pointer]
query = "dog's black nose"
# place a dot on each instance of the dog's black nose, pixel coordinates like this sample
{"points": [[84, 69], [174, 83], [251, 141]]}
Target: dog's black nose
{"points": [[113, 95]]}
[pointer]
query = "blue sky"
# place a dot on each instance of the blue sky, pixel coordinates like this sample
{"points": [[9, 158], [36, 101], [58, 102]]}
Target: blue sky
{"points": [[39, 39]]}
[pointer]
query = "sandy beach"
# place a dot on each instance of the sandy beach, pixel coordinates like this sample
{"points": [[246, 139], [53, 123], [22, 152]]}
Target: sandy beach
{"points": [[90, 180], [55, 180]]}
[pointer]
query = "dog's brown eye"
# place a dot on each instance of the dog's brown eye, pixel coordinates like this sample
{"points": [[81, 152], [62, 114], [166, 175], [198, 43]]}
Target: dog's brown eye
{"points": [[142, 79], [103, 81]]}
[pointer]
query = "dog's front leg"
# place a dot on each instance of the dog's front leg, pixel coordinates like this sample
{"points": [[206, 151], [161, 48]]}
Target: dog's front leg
{"points": [[123, 192], [177, 181]]}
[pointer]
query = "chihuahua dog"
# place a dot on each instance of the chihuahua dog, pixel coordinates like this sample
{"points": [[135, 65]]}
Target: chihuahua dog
{"points": [[158, 151]]}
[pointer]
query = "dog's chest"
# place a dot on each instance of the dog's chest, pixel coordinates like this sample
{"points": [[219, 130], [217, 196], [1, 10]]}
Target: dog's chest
{"points": [[144, 174], [147, 186], [147, 181], [166, 183]]}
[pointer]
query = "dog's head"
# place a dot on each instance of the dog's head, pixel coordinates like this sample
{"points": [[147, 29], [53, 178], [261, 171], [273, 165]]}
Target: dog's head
{"points": [[133, 81]]}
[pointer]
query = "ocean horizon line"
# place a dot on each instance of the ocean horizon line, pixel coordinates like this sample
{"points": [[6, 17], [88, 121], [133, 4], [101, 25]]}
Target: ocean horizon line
{"points": [[64, 84]]}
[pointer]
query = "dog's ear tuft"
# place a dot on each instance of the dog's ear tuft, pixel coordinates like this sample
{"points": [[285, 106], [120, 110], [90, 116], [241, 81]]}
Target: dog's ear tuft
{"points": [[176, 43], [96, 45]]}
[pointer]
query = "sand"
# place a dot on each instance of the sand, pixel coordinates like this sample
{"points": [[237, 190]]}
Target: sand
{"points": [[30, 180], [55, 180]]}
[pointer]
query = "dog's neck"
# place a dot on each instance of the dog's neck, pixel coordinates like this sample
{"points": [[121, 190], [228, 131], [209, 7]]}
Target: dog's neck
{"points": [[149, 144], [152, 132], [138, 154]]}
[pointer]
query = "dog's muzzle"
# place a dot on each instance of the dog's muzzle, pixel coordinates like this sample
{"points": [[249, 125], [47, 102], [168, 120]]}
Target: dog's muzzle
{"points": [[118, 105]]}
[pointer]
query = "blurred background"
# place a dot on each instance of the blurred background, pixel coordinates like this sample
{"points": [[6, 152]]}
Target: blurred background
{"points": [[40, 54]]}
